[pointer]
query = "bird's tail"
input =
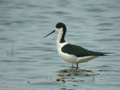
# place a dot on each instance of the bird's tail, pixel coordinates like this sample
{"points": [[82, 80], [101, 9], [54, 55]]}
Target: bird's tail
{"points": [[106, 53]]}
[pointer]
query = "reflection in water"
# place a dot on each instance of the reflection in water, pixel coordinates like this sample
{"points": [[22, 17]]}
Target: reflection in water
{"points": [[71, 75]]}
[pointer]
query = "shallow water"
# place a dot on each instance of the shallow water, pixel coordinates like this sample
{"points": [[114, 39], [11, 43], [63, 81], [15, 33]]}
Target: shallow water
{"points": [[30, 62]]}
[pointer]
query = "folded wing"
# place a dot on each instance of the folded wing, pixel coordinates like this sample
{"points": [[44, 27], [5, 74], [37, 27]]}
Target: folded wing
{"points": [[79, 51]]}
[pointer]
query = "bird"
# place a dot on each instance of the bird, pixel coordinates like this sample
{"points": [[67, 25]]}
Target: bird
{"points": [[71, 53]]}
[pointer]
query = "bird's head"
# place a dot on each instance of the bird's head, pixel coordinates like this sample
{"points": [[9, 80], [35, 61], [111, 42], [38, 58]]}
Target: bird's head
{"points": [[59, 27]]}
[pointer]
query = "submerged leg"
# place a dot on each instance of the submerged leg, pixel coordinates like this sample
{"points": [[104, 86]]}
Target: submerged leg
{"points": [[77, 66]]}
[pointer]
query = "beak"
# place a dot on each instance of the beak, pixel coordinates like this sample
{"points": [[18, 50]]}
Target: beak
{"points": [[49, 33]]}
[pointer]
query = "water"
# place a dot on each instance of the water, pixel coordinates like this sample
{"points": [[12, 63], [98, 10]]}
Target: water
{"points": [[30, 62]]}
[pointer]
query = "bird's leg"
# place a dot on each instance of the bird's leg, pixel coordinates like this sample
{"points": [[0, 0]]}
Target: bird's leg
{"points": [[77, 66], [72, 65]]}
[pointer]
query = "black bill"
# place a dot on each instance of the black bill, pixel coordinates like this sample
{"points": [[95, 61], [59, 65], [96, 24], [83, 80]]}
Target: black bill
{"points": [[49, 33]]}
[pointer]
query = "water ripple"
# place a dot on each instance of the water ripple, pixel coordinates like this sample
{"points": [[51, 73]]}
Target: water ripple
{"points": [[35, 63]]}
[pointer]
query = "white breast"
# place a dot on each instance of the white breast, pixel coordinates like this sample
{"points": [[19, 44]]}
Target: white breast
{"points": [[67, 57]]}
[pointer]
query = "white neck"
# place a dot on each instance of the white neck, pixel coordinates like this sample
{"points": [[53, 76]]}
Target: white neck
{"points": [[60, 45], [60, 33]]}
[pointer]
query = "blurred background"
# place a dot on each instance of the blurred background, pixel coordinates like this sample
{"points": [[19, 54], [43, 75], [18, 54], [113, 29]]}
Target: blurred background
{"points": [[30, 62]]}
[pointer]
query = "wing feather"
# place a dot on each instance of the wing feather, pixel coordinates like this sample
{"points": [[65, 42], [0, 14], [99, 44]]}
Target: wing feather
{"points": [[79, 51]]}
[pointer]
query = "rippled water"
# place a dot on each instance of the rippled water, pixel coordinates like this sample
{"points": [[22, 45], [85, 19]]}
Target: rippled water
{"points": [[30, 62]]}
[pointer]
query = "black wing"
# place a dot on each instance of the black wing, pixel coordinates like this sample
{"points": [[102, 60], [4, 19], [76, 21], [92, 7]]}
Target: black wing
{"points": [[79, 51]]}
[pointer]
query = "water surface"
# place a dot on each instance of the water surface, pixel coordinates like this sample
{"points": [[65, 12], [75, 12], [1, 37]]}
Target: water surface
{"points": [[30, 62]]}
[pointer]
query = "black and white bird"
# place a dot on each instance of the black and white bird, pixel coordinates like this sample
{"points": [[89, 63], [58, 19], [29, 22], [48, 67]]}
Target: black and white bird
{"points": [[72, 53]]}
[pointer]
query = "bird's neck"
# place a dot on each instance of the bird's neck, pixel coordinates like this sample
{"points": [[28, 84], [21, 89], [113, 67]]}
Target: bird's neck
{"points": [[61, 36]]}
